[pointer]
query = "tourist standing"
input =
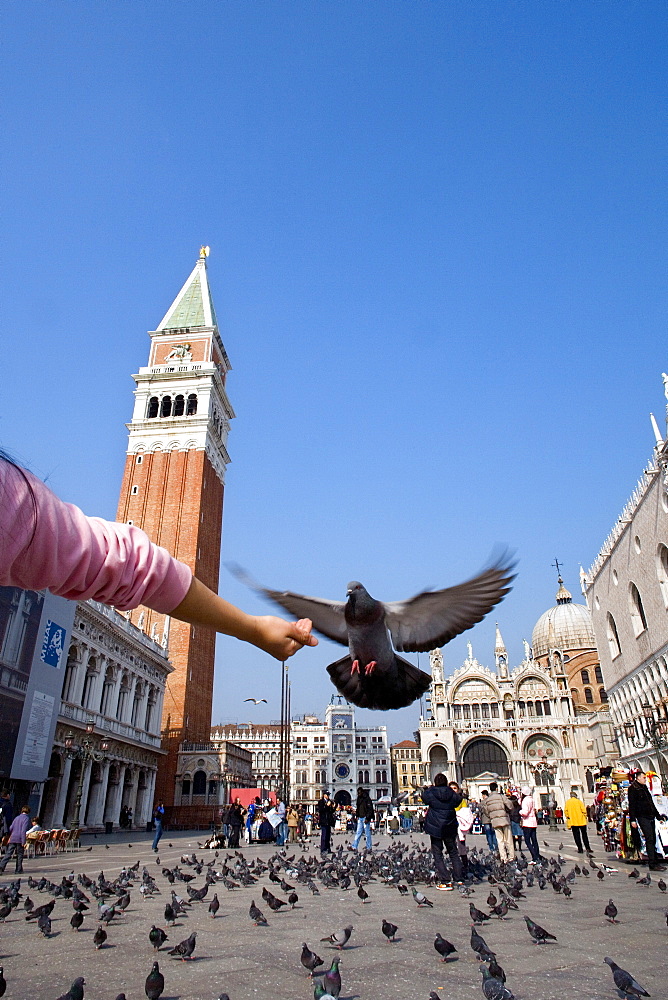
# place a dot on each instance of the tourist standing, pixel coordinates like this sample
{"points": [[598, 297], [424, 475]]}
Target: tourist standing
{"points": [[326, 816], [158, 817], [498, 809], [441, 825], [17, 838], [643, 813], [576, 822], [364, 812], [529, 823], [486, 822]]}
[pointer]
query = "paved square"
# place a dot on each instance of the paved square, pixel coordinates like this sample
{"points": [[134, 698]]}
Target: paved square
{"points": [[234, 956]]}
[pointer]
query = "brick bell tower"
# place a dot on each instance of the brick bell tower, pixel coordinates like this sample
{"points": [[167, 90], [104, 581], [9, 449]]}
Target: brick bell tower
{"points": [[173, 488]]}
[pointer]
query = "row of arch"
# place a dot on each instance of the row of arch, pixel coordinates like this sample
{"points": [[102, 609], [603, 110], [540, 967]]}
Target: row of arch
{"points": [[116, 698], [649, 684], [482, 754], [166, 406], [636, 606]]}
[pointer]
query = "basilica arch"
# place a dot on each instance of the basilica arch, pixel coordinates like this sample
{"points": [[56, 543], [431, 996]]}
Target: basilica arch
{"points": [[484, 756], [438, 760]]}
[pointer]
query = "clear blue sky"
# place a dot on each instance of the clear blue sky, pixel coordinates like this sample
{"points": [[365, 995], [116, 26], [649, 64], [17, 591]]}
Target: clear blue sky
{"points": [[438, 261]]}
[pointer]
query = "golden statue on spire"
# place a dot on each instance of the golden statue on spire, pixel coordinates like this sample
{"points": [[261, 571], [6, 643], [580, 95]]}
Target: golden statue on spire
{"points": [[204, 252]]}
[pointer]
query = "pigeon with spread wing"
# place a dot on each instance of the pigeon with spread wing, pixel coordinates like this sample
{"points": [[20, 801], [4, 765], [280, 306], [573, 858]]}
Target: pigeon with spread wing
{"points": [[372, 675]]}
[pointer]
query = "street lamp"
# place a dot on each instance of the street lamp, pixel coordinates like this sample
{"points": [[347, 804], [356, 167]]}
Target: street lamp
{"points": [[545, 774], [84, 751], [655, 732]]}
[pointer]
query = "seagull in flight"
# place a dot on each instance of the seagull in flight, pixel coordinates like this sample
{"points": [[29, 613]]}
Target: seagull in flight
{"points": [[256, 701]]}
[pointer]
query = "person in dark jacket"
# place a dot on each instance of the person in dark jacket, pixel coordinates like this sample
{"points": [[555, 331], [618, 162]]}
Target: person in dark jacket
{"points": [[643, 813], [326, 816], [236, 819], [365, 813], [441, 825]]}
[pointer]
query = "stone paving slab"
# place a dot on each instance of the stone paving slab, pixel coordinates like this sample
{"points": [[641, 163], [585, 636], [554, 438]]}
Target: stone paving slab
{"points": [[234, 956]]}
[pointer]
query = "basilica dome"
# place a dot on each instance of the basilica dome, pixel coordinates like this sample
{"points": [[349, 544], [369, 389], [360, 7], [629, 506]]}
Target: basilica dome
{"points": [[566, 626]]}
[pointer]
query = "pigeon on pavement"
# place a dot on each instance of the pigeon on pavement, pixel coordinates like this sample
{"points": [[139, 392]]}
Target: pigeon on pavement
{"points": [[309, 959], [372, 675], [76, 990], [420, 897], [99, 937], [624, 981], [157, 937], [538, 933], [155, 983], [185, 948], [443, 947], [494, 988], [332, 978], [479, 946], [611, 912], [388, 929], [339, 938]]}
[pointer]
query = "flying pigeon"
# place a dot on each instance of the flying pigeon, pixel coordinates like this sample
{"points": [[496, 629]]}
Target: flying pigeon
{"points": [[372, 675], [339, 938], [624, 981], [256, 701]]}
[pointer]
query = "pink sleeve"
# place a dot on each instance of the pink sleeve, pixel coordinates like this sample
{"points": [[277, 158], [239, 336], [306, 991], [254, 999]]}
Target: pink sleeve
{"points": [[53, 545]]}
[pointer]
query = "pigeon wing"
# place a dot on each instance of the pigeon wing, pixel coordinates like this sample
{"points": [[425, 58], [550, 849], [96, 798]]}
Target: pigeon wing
{"points": [[327, 616], [434, 617]]}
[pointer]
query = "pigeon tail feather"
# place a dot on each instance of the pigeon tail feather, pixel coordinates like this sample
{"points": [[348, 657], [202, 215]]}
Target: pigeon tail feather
{"points": [[364, 691]]}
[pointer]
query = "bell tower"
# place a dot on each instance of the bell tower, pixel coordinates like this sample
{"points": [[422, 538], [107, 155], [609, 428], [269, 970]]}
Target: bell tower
{"points": [[173, 488]]}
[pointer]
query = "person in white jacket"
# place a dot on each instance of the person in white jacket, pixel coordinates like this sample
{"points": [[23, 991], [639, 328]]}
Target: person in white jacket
{"points": [[530, 824]]}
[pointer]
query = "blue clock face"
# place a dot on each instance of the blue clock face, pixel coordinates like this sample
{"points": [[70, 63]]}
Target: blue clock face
{"points": [[341, 770]]}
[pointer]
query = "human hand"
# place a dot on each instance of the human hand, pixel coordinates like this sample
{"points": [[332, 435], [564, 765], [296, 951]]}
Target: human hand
{"points": [[280, 638], [634, 824]]}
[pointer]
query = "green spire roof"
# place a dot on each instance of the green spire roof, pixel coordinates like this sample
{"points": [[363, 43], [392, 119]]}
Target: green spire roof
{"points": [[193, 306]]}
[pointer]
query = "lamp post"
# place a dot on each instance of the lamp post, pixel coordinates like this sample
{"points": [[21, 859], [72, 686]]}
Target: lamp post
{"points": [[654, 732], [545, 774], [85, 751]]}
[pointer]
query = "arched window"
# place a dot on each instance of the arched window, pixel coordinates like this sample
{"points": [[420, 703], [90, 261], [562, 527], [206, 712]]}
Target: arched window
{"points": [[584, 674], [192, 405], [589, 697], [366, 778], [179, 405], [598, 674], [360, 777], [383, 776], [153, 407], [185, 786], [199, 783], [150, 708], [122, 698], [136, 704], [603, 695], [484, 755], [662, 571], [166, 406], [377, 777], [546, 707], [638, 618], [613, 637]]}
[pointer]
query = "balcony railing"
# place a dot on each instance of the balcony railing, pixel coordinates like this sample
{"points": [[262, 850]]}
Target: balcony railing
{"points": [[121, 729]]}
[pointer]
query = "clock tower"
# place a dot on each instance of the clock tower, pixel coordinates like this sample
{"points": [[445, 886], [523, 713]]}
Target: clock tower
{"points": [[173, 488]]}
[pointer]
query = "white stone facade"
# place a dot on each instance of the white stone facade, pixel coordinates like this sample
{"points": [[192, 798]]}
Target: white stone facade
{"points": [[486, 723], [115, 678], [627, 592]]}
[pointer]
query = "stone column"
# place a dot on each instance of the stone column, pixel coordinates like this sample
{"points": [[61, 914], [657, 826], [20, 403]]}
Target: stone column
{"points": [[57, 818], [149, 797], [113, 808], [95, 816], [80, 678]]}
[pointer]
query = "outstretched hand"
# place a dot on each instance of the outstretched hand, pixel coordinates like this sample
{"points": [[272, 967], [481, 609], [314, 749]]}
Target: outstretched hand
{"points": [[282, 639]]}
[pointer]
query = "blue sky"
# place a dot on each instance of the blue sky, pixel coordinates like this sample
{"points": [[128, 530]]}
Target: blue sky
{"points": [[438, 262]]}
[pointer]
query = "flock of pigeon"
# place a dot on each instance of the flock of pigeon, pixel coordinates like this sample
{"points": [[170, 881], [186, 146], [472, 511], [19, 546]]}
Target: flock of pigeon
{"points": [[275, 883]]}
